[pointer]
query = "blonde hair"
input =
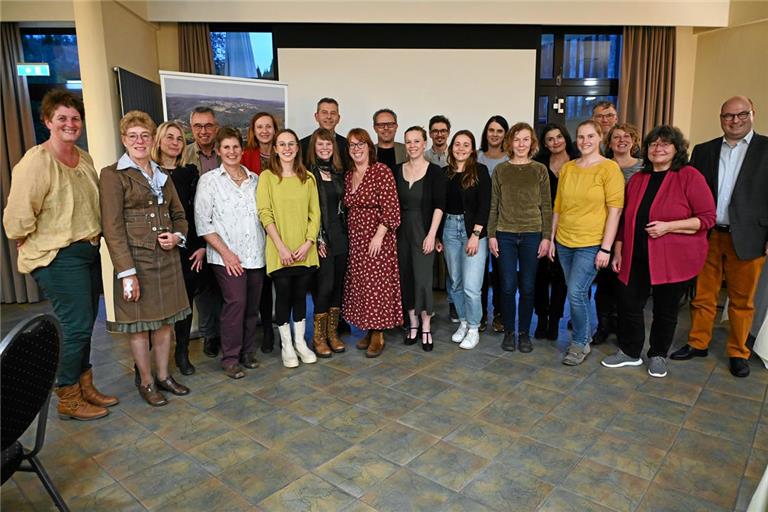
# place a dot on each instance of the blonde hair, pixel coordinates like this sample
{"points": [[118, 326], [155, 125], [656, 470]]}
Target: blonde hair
{"points": [[137, 118], [162, 130]]}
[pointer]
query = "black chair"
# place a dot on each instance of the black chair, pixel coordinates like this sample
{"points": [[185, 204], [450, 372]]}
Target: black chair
{"points": [[29, 356]]}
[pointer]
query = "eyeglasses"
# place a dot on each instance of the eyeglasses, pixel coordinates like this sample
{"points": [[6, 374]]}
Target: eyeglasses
{"points": [[439, 132], [605, 116], [285, 144], [660, 144], [385, 125], [134, 137], [743, 116], [207, 126], [357, 145]]}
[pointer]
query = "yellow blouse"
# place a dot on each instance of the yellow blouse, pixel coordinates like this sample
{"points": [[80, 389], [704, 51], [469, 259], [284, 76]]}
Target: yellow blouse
{"points": [[51, 206]]}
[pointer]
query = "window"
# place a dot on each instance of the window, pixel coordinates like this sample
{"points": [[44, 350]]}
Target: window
{"points": [[243, 54], [58, 49], [577, 68]]}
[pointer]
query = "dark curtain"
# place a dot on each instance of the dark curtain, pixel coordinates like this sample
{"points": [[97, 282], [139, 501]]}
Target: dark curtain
{"points": [[17, 134], [195, 51], [647, 82]]}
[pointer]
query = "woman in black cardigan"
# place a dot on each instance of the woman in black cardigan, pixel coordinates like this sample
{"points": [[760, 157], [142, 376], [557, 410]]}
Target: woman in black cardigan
{"points": [[463, 233], [421, 192]]}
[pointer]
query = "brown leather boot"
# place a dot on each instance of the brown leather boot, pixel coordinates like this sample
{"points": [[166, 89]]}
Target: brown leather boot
{"points": [[362, 343], [319, 338], [333, 331], [91, 394], [377, 344], [72, 405]]}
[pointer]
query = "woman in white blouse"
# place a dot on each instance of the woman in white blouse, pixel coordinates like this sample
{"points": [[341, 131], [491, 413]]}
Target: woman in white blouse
{"points": [[226, 217]]}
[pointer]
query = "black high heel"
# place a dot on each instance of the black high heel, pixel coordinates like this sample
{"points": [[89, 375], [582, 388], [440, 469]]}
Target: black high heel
{"points": [[427, 347], [411, 341]]}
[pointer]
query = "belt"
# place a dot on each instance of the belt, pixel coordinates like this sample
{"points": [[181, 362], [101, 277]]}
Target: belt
{"points": [[724, 228]]}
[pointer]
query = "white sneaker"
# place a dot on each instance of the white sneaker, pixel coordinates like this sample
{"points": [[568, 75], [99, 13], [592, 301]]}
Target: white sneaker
{"points": [[460, 332], [470, 340], [306, 355], [289, 356]]}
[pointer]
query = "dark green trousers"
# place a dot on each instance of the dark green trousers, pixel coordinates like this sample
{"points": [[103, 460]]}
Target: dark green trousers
{"points": [[72, 282]]}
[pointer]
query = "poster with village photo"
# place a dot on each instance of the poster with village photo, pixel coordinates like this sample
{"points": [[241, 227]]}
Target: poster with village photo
{"points": [[234, 100]]}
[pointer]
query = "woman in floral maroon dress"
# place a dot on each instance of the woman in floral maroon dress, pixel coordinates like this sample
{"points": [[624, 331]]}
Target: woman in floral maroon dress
{"points": [[372, 287]]}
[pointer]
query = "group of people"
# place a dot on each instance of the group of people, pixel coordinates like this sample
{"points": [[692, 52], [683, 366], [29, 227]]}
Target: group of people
{"points": [[223, 221]]}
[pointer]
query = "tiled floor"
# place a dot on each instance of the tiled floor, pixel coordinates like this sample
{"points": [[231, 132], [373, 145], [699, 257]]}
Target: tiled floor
{"points": [[448, 430]]}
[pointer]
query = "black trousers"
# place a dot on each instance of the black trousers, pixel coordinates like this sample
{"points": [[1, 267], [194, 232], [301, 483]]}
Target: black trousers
{"points": [[666, 304], [183, 327], [291, 287], [550, 289], [329, 283], [606, 298]]}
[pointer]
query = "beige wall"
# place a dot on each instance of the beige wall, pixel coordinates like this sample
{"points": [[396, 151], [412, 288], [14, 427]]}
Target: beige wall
{"points": [[685, 67], [168, 46], [728, 62]]}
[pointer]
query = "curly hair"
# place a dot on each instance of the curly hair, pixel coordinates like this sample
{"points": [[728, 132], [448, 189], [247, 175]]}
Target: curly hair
{"points": [[669, 134], [626, 128]]}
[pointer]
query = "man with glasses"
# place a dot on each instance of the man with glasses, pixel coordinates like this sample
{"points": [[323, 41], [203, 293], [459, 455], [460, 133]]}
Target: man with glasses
{"points": [[736, 169], [388, 152], [604, 113], [201, 153], [328, 117], [439, 131]]}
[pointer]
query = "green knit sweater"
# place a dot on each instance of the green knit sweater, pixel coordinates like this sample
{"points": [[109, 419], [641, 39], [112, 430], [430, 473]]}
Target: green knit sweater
{"points": [[520, 200]]}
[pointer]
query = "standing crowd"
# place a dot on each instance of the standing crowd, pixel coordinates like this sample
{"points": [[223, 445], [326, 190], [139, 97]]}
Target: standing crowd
{"points": [[246, 228]]}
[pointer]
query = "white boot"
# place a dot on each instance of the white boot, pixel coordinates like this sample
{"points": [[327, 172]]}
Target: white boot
{"points": [[306, 355], [289, 356], [458, 336]]}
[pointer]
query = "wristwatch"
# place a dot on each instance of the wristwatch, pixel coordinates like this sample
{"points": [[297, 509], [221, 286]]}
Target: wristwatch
{"points": [[477, 232]]}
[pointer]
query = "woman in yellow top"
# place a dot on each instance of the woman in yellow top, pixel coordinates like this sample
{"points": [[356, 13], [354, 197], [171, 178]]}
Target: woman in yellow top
{"points": [[53, 214], [585, 217], [289, 209]]}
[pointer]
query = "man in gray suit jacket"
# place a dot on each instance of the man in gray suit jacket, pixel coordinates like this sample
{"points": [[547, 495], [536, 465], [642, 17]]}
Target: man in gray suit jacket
{"points": [[736, 169]]}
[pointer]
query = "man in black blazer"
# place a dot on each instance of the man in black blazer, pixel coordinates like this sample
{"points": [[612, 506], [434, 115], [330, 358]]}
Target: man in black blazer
{"points": [[736, 169], [328, 117]]}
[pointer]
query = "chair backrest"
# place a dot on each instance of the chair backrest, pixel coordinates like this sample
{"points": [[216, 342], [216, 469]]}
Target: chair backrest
{"points": [[29, 356]]}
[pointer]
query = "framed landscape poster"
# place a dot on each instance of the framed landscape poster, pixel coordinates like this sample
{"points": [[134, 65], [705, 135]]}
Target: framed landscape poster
{"points": [[234, 100]]}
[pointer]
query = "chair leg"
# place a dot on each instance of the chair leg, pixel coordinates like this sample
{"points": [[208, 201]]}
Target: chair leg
{"points": [[37, 466]]}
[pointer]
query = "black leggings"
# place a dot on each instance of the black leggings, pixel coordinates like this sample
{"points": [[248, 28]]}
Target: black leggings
{"points": [[329, 283], [291, 286]]}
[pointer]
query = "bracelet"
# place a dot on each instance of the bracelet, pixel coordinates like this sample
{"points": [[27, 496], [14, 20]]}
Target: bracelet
{"points": [[604, 251]]}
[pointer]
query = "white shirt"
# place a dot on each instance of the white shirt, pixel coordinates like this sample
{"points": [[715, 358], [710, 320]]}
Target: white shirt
{"points": [[731, 158], [230, 211]]}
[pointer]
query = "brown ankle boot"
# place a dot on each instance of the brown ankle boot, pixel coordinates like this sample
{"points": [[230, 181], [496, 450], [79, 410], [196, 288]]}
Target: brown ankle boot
{"points": [[377, 344], [319, 338], [333, 331], [91, 394], [362, 343], [72, 405]]}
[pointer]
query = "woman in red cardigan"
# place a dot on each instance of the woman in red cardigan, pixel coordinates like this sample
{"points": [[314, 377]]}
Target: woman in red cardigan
{"points": [[660, 246]]}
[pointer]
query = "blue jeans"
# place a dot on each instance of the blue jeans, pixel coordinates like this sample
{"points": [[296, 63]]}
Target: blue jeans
{"points": [[579, 269], [517, 248], [466, 271]]}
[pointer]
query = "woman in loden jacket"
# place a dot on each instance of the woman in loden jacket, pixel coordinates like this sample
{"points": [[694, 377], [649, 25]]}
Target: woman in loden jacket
{"points": [[661, 245], [143, 223]]}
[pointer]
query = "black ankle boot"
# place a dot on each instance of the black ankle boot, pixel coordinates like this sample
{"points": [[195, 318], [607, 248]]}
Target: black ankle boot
{"points": [[553, 328], [603, 331], [181, 356], [268, 342], [541, 327]]}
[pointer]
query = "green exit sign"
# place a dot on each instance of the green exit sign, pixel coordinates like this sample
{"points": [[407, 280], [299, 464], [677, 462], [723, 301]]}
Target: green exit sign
{"points": [[33, 69]]}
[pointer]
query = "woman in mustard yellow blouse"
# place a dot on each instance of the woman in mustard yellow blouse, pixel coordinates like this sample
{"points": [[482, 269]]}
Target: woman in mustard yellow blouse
{"points": [[585, 217], [53, 214], [289, 209]]}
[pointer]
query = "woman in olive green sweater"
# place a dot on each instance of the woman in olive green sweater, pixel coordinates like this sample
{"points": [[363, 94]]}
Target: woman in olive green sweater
{"points": [[289, 209], [519, 228]]}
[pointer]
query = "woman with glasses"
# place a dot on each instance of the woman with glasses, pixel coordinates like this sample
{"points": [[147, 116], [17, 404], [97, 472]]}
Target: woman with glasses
{"points": [[519, 228], [590, 196], [463, 234], [289, 210], [491, 154], [143, 222], [550, 289], [421, 191], [53, 215], [167, 151], [326, 166], [372, 297], [258, 148], [660, 247]]}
